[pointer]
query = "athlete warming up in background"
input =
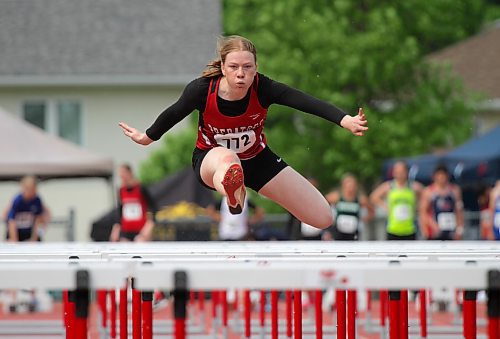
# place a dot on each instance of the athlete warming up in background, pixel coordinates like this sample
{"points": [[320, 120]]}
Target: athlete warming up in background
{"points": [[231, 151]]}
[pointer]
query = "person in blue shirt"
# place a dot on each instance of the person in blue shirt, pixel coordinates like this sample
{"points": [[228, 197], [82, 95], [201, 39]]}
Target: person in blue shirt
{"points": [[494, 207], [26, 213], [442, 208]]}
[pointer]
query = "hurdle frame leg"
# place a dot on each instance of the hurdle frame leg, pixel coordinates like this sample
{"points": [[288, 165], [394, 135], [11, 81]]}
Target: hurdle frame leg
{"points": [[403, 315], [422, 294], [340, 297], [469, 314], [124, 312], [288, 311], [70, 315], [297, 314], [181, 296], [136, 310], [351, 314], [247, 313], [112, 316], [493, 304], [274, 314], [394, 316], [82, 299], [147, 314], [318, 308]]}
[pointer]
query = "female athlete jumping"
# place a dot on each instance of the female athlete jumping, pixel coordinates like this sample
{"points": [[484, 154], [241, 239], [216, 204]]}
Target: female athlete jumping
{"points": [[231, 151]]}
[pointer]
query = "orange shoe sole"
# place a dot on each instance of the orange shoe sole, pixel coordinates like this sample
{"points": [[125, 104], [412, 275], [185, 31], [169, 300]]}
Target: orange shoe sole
{"points": [[235, 189]]}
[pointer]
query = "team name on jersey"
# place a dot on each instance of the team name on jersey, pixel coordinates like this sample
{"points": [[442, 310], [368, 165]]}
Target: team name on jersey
{"points": [[216, 130]]}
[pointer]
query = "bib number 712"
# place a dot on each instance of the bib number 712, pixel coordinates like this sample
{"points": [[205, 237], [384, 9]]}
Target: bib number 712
{"points": [[237, 142]]}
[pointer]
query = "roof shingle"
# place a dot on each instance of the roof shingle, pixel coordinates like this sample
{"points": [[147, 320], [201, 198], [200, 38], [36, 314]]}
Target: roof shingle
{"points": [[85, 38], [476, 60]]}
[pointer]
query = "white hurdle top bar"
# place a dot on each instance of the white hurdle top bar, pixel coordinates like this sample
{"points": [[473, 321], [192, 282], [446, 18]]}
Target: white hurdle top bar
{"points": [[262, 265]]}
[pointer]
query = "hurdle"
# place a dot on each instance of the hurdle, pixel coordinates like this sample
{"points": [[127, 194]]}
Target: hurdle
{"points": [[288, 267]]}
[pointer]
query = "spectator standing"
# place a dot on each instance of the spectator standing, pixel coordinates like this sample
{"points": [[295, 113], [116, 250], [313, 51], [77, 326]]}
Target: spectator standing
{"points": [[399, 198], [348, 203], [442, 208], [233, 227], [495, 211], [26, 213], [136, 224]]}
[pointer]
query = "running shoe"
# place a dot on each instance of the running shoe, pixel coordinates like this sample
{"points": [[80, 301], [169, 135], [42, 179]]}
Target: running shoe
{"points": [[235, 189]]}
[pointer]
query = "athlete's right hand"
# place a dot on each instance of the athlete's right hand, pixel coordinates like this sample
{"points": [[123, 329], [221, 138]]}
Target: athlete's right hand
{"points": [[134, 134]]}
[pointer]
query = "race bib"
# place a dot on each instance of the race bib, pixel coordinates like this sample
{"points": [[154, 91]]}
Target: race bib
{"points": [[308, 230], [132, 211], [24, 220], [402, 212], [447, 221], [237, 142], [347, 223], [496, 220]]}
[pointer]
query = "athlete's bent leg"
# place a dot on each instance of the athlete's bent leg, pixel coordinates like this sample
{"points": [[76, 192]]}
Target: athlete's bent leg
{"points": [[221, 169], [292, 191]]}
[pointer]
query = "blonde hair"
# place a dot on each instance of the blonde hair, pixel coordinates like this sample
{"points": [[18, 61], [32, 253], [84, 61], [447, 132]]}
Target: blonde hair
{"points": [[226, 45]]}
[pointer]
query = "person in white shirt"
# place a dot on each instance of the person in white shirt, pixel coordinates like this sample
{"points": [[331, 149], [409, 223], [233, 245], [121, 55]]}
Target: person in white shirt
{"points": [[233, 227]]}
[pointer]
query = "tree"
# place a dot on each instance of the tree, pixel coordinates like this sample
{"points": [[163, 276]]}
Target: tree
{"points": [[360, 53], [174, 155]]}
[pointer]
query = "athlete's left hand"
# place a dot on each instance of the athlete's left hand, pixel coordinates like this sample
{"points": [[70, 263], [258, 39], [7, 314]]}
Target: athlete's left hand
{"points": [[134, 134], [356, 124]]}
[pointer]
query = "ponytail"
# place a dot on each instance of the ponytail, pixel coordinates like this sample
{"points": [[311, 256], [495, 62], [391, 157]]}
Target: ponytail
{"points": [[213, 69]]}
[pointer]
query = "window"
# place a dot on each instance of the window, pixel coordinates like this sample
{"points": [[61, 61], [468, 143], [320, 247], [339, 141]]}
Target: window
{"points": [[69, 121], [35, 113], [58, 117]]}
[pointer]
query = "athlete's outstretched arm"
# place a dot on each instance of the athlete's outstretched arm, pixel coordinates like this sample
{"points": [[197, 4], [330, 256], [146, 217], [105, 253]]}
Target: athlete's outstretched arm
{"points": [[187, 103], [282, 94]]}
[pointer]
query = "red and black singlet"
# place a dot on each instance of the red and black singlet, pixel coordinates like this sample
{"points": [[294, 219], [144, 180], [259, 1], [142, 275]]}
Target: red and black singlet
{"points": [[243, 133], [237, 114], [133, 208]]}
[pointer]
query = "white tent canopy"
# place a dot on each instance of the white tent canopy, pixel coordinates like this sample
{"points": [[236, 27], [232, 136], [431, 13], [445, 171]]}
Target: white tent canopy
{"points": [[26, 149]]}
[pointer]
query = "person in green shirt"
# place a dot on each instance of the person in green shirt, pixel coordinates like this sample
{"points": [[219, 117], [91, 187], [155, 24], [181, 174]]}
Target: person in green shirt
{"points": [[399, 197]]}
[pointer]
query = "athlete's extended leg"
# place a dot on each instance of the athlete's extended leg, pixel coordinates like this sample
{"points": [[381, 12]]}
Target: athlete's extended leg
{"points": [[292, 191], [221, 169]]}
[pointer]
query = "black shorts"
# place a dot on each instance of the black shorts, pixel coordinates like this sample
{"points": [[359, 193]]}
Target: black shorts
{"points": [[444, 235], [23, 234], [341, 236], [401, 237], [258, 170], [128, 235]]}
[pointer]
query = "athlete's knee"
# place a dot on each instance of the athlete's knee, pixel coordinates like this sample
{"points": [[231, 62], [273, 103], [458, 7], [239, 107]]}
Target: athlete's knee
{"points": [[228, 157]]}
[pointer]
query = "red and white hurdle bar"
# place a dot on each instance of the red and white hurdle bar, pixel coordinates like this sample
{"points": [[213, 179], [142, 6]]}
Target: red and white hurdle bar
{"points": [[184, 267]]}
